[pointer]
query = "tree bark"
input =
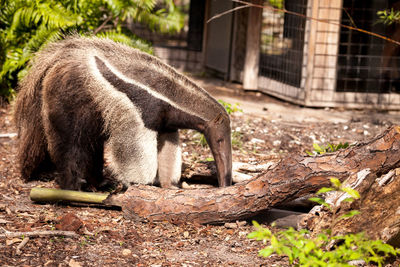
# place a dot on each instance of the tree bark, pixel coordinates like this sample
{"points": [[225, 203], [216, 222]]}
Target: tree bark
{"points": [[293, 177], [379, 208]]}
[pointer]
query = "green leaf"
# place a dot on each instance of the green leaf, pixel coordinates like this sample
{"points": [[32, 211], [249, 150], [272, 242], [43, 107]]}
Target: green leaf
{"points": [[332, 147], [353, 193], [348, 199], [336, 182], [310, 153], [253, 235], [255, 224], [325, 190], [350, 214], [274, 241], [266, 252], [309, 246], [317, 148], [320, 201]]}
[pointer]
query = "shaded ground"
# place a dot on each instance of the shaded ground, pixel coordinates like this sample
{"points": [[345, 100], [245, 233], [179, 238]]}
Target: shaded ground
{"points": [[266, 130]]}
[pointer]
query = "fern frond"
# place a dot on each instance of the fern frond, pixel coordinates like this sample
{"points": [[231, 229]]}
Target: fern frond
{"points": [[51, 16], [162, 21], [17, 58], [57, 16]]}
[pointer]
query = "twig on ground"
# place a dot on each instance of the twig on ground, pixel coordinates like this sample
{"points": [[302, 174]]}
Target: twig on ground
{"points": [[21, 245], [39, 233], [8, 135]]}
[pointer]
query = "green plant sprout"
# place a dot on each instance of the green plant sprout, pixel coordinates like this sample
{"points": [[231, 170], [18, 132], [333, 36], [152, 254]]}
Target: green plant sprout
{"points": [[276, 3], [230, 109], [388, 16], [337, 186], [319, 150], [303, 250]]}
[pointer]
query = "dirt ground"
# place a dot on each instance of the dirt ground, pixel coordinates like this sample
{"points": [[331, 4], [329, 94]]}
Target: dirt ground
{"points": [[265, 131]]}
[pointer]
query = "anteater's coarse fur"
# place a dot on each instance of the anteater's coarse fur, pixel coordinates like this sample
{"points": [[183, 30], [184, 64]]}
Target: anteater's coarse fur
{"points": [[83, 92]]}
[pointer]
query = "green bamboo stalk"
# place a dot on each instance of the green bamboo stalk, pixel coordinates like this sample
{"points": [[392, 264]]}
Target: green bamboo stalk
{"points": [[39, 194]]}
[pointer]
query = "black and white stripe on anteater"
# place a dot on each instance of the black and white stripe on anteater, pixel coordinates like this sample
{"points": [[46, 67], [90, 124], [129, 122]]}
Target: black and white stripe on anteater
{"points": [[83, 92]]}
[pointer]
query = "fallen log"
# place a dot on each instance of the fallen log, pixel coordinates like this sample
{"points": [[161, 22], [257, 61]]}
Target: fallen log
{"points": [[292, 178]]}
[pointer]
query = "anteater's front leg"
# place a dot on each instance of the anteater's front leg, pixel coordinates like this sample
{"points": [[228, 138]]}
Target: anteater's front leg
{"points": [[169, 159]]}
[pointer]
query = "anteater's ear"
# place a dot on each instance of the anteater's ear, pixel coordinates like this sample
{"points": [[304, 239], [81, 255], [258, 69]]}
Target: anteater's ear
{"points": [[219, 119]]}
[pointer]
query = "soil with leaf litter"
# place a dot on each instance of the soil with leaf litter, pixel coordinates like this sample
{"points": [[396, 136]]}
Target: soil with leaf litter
{"points": [[105, 238]]}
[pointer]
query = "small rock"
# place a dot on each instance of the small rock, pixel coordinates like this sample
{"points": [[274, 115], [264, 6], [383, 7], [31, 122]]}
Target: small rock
{"points": [[256, 140], [276, 143], [186, 234], [69, 222], [231, 225], [126, 252], [243, 233], [73, 263]]}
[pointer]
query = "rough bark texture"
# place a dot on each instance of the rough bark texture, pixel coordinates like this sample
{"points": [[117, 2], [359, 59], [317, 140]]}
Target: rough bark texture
{"points": [[293, 177], [379, 208]]}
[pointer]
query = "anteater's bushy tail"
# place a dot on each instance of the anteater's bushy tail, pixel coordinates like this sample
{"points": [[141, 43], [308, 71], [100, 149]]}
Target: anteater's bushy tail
{"points": [[32, 155]]}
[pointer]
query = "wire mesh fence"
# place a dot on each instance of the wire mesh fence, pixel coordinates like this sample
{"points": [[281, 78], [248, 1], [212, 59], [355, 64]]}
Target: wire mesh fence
{"points": [[322, 64], [365, 63], [282, 43]]}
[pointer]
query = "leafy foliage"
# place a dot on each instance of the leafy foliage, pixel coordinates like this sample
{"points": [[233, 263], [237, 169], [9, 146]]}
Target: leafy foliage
{"points": [[230, 108], [388, 16], [338, 187], [318, 150], [27, 25], [277, 3], [302, 250], [305, 251]]}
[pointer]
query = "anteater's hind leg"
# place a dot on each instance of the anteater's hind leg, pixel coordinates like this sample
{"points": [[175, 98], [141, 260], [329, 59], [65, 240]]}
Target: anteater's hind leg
{"points": [[75, 143], [78, 158], [79, 161]]}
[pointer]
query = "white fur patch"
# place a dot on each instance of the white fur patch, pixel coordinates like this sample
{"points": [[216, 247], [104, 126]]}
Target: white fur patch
{"points": [[133, 146]]}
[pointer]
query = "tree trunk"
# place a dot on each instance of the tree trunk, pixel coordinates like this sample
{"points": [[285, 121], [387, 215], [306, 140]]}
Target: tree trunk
{"points": [[293, 177]]}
